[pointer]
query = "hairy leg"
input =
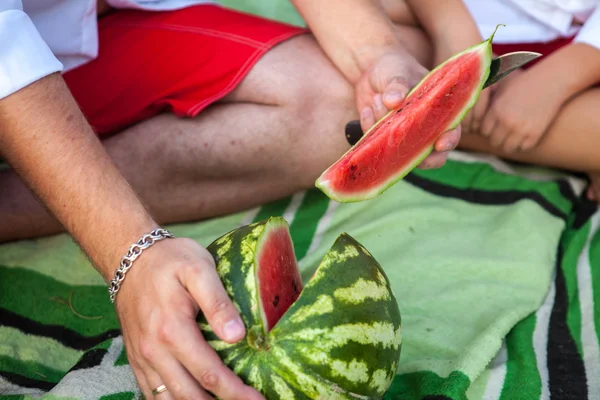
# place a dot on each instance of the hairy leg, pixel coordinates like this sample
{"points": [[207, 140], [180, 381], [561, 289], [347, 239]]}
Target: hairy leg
{"points": [[271, 137]]}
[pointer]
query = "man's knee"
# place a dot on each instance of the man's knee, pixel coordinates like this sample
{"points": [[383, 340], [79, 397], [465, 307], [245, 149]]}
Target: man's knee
{"points": [[315, 100], [322, 108], [324, 90], [293, 73]]}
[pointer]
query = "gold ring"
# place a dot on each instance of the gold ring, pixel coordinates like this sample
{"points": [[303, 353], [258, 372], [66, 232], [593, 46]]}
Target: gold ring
{"points": [[159, 390]]}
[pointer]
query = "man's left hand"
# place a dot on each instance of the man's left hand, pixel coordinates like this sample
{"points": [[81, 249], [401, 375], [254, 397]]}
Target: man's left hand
{"points": [[384, 85]]}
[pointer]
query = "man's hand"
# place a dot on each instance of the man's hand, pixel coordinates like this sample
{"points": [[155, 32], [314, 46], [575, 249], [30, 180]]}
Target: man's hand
{"points": [[157, 307], [383, 87], [360, 40], [47, 140]]}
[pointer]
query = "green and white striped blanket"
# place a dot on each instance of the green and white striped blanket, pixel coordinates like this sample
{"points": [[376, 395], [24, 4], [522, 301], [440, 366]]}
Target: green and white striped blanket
{"points": [[497, 275]]}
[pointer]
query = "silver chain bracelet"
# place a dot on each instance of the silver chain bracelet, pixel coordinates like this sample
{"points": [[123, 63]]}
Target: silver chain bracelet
{"points": [[134, 252]]}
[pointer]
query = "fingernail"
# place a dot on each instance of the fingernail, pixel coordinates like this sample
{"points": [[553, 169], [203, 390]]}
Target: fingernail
{"points": [[233, 330], [392, 97], [446, 147]]}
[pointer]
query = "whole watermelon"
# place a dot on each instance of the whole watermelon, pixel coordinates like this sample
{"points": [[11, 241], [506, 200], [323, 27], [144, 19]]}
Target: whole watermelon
{"points": [[337, 338]]}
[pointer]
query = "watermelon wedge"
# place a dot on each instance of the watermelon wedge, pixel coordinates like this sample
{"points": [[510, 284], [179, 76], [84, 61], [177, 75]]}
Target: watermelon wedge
{"points": [[337, 338], [400, 140]]}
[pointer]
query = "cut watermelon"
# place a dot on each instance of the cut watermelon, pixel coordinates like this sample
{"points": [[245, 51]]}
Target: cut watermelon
{"points": [[399, 141], [337, 338], [279, 281]]}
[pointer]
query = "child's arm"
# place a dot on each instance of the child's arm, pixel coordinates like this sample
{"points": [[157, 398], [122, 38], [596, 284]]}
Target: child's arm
{"points": [[572, 69], [525, 105], [449, 25], [452, 29]]}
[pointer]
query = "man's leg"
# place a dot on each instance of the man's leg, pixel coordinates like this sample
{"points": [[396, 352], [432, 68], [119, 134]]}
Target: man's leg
{"points": [[272, 136]]}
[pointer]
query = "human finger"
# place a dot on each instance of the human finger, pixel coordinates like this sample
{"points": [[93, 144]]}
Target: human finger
{"points": [[395, 91], [467, 122], [448, 140], [367, 119], [488, 124], [157, 389], [206, 288], [169, 380], [379, 109], [529, 142], [187, 345], [434, 160], [141, 379], [513, 143], [499, 135]]}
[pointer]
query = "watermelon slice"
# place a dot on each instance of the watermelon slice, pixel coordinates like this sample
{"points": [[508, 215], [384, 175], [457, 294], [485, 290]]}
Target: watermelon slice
{"points": [[399, 141], [337, 338]]}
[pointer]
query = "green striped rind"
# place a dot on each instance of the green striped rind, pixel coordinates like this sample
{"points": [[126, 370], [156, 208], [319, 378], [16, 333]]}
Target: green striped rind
{"points": [[234, 255], [345, 328], [485, 50], [340, 340]]}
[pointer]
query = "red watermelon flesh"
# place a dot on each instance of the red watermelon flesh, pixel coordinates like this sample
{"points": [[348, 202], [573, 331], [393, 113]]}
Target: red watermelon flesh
{"points": [[279, 280], [405, 136]]}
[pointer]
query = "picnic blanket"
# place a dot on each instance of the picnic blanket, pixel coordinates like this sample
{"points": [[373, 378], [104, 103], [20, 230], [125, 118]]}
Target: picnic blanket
{"points": [[496, 271]]}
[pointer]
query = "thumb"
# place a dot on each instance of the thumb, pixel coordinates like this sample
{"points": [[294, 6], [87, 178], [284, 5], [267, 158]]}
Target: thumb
{"points": [[204, 285], [395, 91]]}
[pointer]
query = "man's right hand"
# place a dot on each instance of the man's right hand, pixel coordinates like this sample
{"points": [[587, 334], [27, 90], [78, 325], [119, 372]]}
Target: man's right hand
{"points": [[46, 139], [157, 306]]}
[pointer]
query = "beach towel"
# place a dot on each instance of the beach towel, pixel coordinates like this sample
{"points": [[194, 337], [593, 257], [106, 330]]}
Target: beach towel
{"points": [[496, 270]]}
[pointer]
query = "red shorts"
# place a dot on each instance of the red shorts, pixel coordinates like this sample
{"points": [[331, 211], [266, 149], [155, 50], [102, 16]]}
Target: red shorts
{"points": [[179, 61], [544, 49]]}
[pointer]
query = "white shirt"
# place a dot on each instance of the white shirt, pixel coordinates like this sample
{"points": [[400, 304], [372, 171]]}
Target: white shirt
{"points": [[40, 37], [538, 20]]}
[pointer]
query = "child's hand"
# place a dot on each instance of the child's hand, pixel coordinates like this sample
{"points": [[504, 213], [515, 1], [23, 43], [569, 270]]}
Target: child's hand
{"points": [[522, 108], [471, 123]]}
